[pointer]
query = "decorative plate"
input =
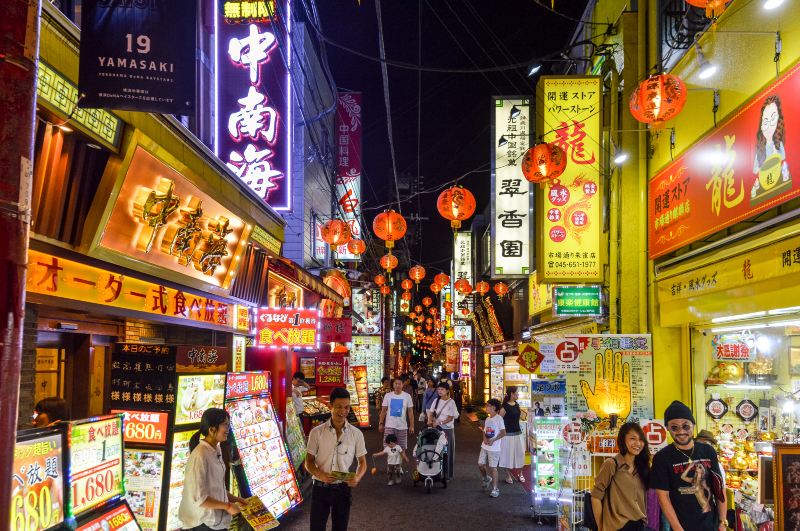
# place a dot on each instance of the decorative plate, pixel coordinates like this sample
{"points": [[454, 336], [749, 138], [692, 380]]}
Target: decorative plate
{"points": [[716, 408], [747, 410]]}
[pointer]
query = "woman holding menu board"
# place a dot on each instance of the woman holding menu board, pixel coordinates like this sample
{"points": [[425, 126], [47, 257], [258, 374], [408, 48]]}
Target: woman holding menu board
{"points": [[206, 504]]}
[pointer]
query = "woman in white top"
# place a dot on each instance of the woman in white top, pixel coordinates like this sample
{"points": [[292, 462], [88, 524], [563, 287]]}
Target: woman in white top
{"points": [[206, 504], [441, 414]]}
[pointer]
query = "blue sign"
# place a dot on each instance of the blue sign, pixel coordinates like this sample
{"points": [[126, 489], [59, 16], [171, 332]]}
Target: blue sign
{"points": [[549, 387]]}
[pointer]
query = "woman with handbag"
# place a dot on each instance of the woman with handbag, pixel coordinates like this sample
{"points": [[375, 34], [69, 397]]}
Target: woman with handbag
{"points": [[618, 497]]}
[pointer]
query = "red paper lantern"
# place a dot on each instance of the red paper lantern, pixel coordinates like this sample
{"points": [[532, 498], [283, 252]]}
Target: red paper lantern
{"points": [[442, 279], [543, 162], [463, 286], [427, 301], [456, 204], [501, 288], [448, 311], [412, 315], [658, 99], [429, 321], [436, 288], [379, 280], [335, 232], [482, 287], [418, 308], [417, 273], [389, 226], [406, 296], [388, 261], [385, 290], [406, 284], [433, 311], [357, 246], [464, 312], [447, 305], [714, 8]]}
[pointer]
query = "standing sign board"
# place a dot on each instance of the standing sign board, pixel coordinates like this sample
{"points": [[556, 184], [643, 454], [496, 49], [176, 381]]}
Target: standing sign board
{"points": [[95, 462]]}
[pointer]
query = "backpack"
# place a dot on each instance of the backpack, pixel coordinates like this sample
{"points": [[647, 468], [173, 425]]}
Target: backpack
{"points": [[588, 514]]}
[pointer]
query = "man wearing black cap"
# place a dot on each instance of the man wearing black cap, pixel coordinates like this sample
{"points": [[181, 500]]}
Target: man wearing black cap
{"points": [[686, 477]]}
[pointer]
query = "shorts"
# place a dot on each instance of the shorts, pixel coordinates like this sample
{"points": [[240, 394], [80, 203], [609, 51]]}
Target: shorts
{"points": [[402, 436], [492, 459]]}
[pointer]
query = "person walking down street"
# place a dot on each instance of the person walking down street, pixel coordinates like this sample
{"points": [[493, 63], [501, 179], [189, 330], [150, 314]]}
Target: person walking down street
{"points": [[429, 396], [394, 457], [441, 414], [618, 496], [512, 449], [333, 448], [397, 414], [458, 395], [686, 477], [206, 504], [421, 385], [494, 430], [381, 391]]}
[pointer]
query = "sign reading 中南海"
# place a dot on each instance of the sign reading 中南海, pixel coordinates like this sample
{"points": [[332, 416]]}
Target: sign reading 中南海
{"points": [[569, 209], [512, 226], [287, 327], [254, 95], [195, 358], [138, 55], [462, 268], [576, 300], [348, 172]]}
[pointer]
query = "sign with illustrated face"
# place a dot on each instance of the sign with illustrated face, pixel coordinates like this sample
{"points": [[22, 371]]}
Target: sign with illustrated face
{"points": [[512, 223], [287, 327], [569, 208], [348, 167], [367, 307], [462, 268], [254, 97]]}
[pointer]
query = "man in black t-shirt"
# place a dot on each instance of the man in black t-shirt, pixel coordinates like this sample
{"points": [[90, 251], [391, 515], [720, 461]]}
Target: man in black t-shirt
{"points": [[686, 477]]}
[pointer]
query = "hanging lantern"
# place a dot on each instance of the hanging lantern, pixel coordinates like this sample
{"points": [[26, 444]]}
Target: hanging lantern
{"points": [[448, 305], [456, 204], [543, 162], [448, 311], [389, 226], [501, 288], [463, 286], [429, 321], [379, 280], [418, 308], [406, 284], [433, 311], [388, 261], [465, 311], [436, 288], [417, 273], [427, 301], [406, 296], [412, 315], [714, 8], [336, 232], [357, 246], [385, 290], [658, 99], [482, 287], [442, 279], [417, 328]]}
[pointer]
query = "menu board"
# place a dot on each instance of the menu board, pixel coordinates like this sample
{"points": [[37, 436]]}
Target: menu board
{"points": [[295, 439], [359, 374], [547, 432], [115, 519], [95, 462], [368, 350], [177, 469], [196, 393], [496, 371], [37, 483], [142, 377], [144, 470], [270, 475]]}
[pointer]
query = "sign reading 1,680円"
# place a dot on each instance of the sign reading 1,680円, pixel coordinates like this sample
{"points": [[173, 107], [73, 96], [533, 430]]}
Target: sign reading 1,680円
{"points": [[37, 484], [95, 462]]}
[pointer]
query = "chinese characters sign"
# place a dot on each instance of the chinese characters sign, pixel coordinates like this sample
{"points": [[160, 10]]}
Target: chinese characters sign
{"points": [[338, 329], [149, 427], [733, 347], [576, 300], [330, 371], [462, 268], [348, 171], [250, 383], [57, 277], [745, 166], [287, 327], [190, 358], [161, 218], [254, 94], [37, 483], [95, 462], [142, 377], [569, 209], [511, 199]]}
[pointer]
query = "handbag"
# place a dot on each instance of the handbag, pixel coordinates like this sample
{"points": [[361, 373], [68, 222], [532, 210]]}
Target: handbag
{"points": [[588, 513]]}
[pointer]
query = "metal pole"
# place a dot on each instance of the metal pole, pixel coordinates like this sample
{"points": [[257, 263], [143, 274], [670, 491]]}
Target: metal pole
{"points": [[19, 28]]}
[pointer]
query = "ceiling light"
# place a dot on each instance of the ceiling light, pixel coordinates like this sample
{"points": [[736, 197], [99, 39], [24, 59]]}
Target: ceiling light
{"points": [[737, 328], [65, 128], [534, 69], [93, 146], [620, 156], [502, 142], [739, 317], [772, 4], [706, 69], [515, 112]]}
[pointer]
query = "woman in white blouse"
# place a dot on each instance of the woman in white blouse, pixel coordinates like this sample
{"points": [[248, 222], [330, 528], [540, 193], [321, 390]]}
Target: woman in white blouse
{"points": [[441, 413], [206, 503]]}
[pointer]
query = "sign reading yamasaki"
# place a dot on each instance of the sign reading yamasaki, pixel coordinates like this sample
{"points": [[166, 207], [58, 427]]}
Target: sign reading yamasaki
{"points": [[138, 55], [615, 375], [512, 227], [569, 211]]}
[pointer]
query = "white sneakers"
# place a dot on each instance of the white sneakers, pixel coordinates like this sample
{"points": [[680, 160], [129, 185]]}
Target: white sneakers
{"points": [[391, 482], [495, 493], [485, 482]]}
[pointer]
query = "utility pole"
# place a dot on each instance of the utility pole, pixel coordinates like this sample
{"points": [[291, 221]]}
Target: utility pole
{"points": [[19, 54]]}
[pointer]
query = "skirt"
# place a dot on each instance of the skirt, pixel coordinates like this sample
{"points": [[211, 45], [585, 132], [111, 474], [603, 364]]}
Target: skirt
{"points": [[512, 451]]}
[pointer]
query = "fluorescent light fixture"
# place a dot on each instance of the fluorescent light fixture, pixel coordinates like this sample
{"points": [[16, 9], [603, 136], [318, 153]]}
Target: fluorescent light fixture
{"points": [[783, 311], [707, 69], [792, 322], [515, 112], [772, 4], [93, 146], [740, 317], [737, 328], [752, 387], [534, 69]]}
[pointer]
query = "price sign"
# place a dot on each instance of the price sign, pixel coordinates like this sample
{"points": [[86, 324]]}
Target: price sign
{"points": [[37, 484], [240, 384], [116, 519], [144, 426], [96, 462]]}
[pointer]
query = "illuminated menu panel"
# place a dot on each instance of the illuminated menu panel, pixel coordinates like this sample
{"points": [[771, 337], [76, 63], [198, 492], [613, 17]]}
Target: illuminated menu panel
{"points": [[37, 483], [295, 439], [180, 456], [115, 519], [95, 462], [361, 409], [196, 393], [148, 427], [144, 470]]}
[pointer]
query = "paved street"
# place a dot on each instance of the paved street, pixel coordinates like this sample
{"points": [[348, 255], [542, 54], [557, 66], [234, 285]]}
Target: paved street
{"points": [[462, 505]]}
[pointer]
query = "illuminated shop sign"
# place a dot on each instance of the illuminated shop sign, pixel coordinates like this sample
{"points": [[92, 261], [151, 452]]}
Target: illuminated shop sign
{"points": [[348, 168], [462, 268], [288, 327], [254, 96], [148, 427]]}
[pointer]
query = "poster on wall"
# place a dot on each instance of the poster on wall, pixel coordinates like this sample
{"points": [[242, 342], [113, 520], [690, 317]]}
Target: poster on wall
{"points": [[367, 315], [144, 470], [37, 482], [138, 56], [348, 167], [569, 209]]}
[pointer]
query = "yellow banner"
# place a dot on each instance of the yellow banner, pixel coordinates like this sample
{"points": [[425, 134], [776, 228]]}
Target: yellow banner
{"points": [[539, 295], [57, 277], [569, 208]]}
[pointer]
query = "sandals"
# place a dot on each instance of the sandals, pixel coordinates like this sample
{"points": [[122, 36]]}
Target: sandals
{"points": [[521, 478], [509, 481]]}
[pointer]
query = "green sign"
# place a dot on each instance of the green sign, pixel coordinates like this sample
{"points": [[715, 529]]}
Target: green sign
{"points": [[576, 300]]}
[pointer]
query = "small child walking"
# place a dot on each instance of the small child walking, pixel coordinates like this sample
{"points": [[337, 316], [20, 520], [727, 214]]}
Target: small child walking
{"points": [[394, 457], [494, 429]]}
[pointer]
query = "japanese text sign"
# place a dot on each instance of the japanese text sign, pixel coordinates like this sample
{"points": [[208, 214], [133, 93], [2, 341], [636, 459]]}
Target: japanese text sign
{"points": [[58, 277], [95, 462], [330, 371], [338, 329], [512, 226], [254, 97], [37, 483], [241, 384], [733, 347], [569, 209], [462, 268], [529, 358], [348, 168], [190, 358], [466, 361], [744, 167], [117, 519], [287, 327], [576, 300], [142, 377], [149, 427]]}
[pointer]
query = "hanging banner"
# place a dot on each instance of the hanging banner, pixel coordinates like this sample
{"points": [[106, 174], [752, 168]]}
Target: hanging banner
{"points": [[287, 327], [254, 96], [348, 173], [367, 316], [462, 268], [569, 209], [138, 56], [338, 329], [744, 167], [512, 226]]}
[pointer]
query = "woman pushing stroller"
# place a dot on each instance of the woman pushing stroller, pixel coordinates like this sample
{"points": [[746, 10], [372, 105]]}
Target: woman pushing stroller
{"points": [[441, 414]]}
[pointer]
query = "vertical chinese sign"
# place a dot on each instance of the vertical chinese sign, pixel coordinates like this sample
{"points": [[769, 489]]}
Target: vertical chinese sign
{"points": [[348, 167], [512, 227], [254, 96], [569, 211], [462, 268]]}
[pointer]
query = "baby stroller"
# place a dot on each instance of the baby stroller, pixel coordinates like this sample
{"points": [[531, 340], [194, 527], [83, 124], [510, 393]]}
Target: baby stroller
{"points": [[431, 452]]}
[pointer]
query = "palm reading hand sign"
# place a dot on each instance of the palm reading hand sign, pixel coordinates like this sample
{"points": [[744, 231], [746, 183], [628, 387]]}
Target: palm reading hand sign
{"points": [[612, 386]]}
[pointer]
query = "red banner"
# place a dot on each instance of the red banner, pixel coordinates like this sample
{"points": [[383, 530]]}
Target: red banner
{"points": [[338, 329], [331, 371], [287, 327], [149, 427], [191, 358], [241, 384], [746, 166]]}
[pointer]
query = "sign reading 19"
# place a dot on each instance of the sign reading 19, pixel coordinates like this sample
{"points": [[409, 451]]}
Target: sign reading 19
{"points": [[142, 43]]}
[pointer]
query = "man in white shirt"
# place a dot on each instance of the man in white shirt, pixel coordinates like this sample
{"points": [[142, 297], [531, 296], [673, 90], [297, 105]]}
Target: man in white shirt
{"points": [[333, 447], [299, 386], [397, 414]]}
